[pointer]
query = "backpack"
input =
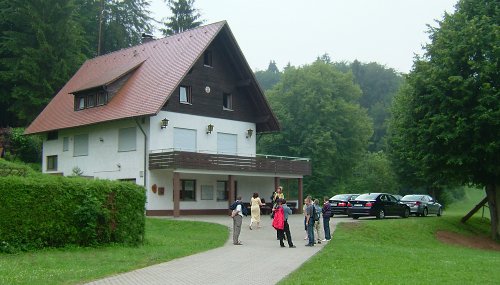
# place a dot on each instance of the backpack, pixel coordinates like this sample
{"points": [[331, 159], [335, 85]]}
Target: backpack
{"points": [[316, 214], [235, 204]]}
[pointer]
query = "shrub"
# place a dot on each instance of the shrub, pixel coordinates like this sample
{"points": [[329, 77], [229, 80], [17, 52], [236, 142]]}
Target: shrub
{"points": [[23, 147], [47, 211]]}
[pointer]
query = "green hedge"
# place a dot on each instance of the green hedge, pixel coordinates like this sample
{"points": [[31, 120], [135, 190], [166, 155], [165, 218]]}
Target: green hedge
{"points": [[47, 211]]}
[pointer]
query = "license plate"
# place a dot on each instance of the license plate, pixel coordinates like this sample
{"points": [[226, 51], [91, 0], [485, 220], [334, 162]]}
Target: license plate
{"points": [[358, 205], [334, 204]]}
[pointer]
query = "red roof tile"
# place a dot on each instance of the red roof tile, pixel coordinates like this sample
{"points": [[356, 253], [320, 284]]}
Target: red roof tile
{"points": [[164, 63]]}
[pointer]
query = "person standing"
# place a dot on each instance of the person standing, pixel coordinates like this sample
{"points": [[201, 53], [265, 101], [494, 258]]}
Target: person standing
{"points": [[304, 211], [279, 221], [278, 195], [327, 212], [317, 223], [310, 221], [287, 211], [237, 216], [255, 204]]}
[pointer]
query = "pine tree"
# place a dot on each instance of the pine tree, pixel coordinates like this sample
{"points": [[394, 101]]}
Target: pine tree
{"points": [[184, 17], [41, 46]]}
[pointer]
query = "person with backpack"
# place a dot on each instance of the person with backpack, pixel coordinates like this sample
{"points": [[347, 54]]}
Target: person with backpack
{"points": [[317, 218], [237, 215], [310, 221]]}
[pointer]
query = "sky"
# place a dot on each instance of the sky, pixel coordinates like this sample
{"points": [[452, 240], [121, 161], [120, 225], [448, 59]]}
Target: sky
{"points": [[389, 32]]}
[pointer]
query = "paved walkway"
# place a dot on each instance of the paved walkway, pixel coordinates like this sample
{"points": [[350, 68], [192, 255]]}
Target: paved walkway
{"points": [[260, 260]]}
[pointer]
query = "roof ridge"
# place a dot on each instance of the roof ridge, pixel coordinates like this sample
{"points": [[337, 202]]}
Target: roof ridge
{"points": [[155, 40]]}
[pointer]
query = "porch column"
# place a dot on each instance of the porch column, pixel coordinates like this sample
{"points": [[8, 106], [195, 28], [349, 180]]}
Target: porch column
{"points": [[300, 203], [177, 194], [276, 183], [230, 188]]}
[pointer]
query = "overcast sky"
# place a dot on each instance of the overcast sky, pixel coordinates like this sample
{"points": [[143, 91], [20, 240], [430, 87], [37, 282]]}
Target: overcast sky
{"points": [[389, 32]]}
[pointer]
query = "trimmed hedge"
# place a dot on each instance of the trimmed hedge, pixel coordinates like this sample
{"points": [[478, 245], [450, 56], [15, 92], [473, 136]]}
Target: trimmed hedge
{"points": [[48, 211]]}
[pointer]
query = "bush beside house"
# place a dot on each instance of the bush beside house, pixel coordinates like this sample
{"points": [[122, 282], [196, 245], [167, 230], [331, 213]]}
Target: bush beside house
{"points": [[46, 211]]}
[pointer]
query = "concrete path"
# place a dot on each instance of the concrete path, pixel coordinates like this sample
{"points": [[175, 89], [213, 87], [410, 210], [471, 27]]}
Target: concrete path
{"points": [[260, 260]]}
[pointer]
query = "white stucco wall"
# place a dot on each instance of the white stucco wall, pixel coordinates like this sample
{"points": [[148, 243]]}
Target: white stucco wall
{"points": [[207, 143], [103, 159]]}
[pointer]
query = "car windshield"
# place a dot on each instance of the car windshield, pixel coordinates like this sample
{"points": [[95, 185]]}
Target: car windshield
{"points": [[340, 197], [365, 197], [412, 198]]}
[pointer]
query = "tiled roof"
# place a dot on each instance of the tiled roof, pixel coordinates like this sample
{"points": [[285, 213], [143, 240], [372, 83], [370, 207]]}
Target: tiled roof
{"points": [[163, 64]]}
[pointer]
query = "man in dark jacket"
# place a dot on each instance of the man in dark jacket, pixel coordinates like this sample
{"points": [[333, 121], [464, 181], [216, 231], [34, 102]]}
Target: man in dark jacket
{"points": [[327, 212]]}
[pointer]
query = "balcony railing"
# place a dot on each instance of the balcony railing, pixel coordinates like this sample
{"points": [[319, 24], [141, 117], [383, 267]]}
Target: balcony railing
{"points": [[170, 159]]}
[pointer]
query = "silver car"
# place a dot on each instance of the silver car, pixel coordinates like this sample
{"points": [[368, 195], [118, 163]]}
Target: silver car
{"points": [[422, 205]]}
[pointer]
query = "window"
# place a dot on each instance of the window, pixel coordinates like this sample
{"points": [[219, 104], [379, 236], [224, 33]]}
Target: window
{"points": [[91, 101], [207, 58], [185, 95], [65, 144], [127, 139], [81, 145], [52, 163], [80, 103], [188, 190], [222, 191], [185, 139], [102, 98], [52, 136], [227, 101], [207, 192], [227, 143], [129, 180]]}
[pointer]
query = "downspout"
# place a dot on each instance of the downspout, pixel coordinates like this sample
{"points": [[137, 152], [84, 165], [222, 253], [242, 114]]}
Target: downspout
{"points": [[145, 150]]}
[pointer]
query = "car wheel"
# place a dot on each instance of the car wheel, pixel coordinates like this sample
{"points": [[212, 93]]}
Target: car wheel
{"points": [[406, 214], [440, 212], [355, 217], [425, 212], [380, 214]]}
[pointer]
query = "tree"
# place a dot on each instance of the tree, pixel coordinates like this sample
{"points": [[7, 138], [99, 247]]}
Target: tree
{"points": [[453, 102], [320, 116], [40, 47], [267, 79], [373, 173], [184, 17], [379, 85], [123, 23]]}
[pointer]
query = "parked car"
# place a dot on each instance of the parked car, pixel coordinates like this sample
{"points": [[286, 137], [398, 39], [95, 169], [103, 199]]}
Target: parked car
{"points": [[399, 197], [379, 205], [422, 205], [338, 203]]}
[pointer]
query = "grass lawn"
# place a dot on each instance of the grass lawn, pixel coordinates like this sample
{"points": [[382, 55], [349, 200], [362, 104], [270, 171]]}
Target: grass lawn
{"points": [[404, 251], [165, 240]]}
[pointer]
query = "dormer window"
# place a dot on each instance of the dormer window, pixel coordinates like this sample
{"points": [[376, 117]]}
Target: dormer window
{"points": [[207, 58], [90, 100], [102, 98]]}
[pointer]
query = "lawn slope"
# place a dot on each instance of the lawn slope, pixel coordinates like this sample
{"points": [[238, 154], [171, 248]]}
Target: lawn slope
{"points": [[404, 251]]}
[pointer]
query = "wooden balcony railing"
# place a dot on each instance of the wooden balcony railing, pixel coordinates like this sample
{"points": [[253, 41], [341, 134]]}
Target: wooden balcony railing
{"points": [[195, 160]]}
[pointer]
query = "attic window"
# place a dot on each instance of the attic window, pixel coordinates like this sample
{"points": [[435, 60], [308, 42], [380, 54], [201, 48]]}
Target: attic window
{"points": [[207, 58], [185, 95], [90, 100], [227, 101]]}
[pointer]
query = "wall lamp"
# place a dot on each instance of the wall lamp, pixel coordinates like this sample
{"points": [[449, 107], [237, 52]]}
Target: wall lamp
{"points": [[164, 123], [210, 128], [249, 133]]}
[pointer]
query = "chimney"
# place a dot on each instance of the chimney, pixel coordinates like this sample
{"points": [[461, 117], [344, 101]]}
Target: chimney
{"points": [[147, 38]]}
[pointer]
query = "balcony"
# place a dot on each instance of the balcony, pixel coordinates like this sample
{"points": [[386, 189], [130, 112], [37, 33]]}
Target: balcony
{"points": [[172, 159]]}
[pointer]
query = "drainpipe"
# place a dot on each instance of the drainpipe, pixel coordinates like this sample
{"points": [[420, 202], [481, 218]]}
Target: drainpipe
{"points": [[145, 150]]}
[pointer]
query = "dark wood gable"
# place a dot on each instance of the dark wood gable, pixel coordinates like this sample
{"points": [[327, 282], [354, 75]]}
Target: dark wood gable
{"points": [[217, 72]]}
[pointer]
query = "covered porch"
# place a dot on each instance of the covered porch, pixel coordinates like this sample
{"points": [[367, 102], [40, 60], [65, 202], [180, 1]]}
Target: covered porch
{"points": [[206, 174]]}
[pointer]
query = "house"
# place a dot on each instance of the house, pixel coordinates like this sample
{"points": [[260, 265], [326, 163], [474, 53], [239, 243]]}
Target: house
{"points": [[178, 115]]}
